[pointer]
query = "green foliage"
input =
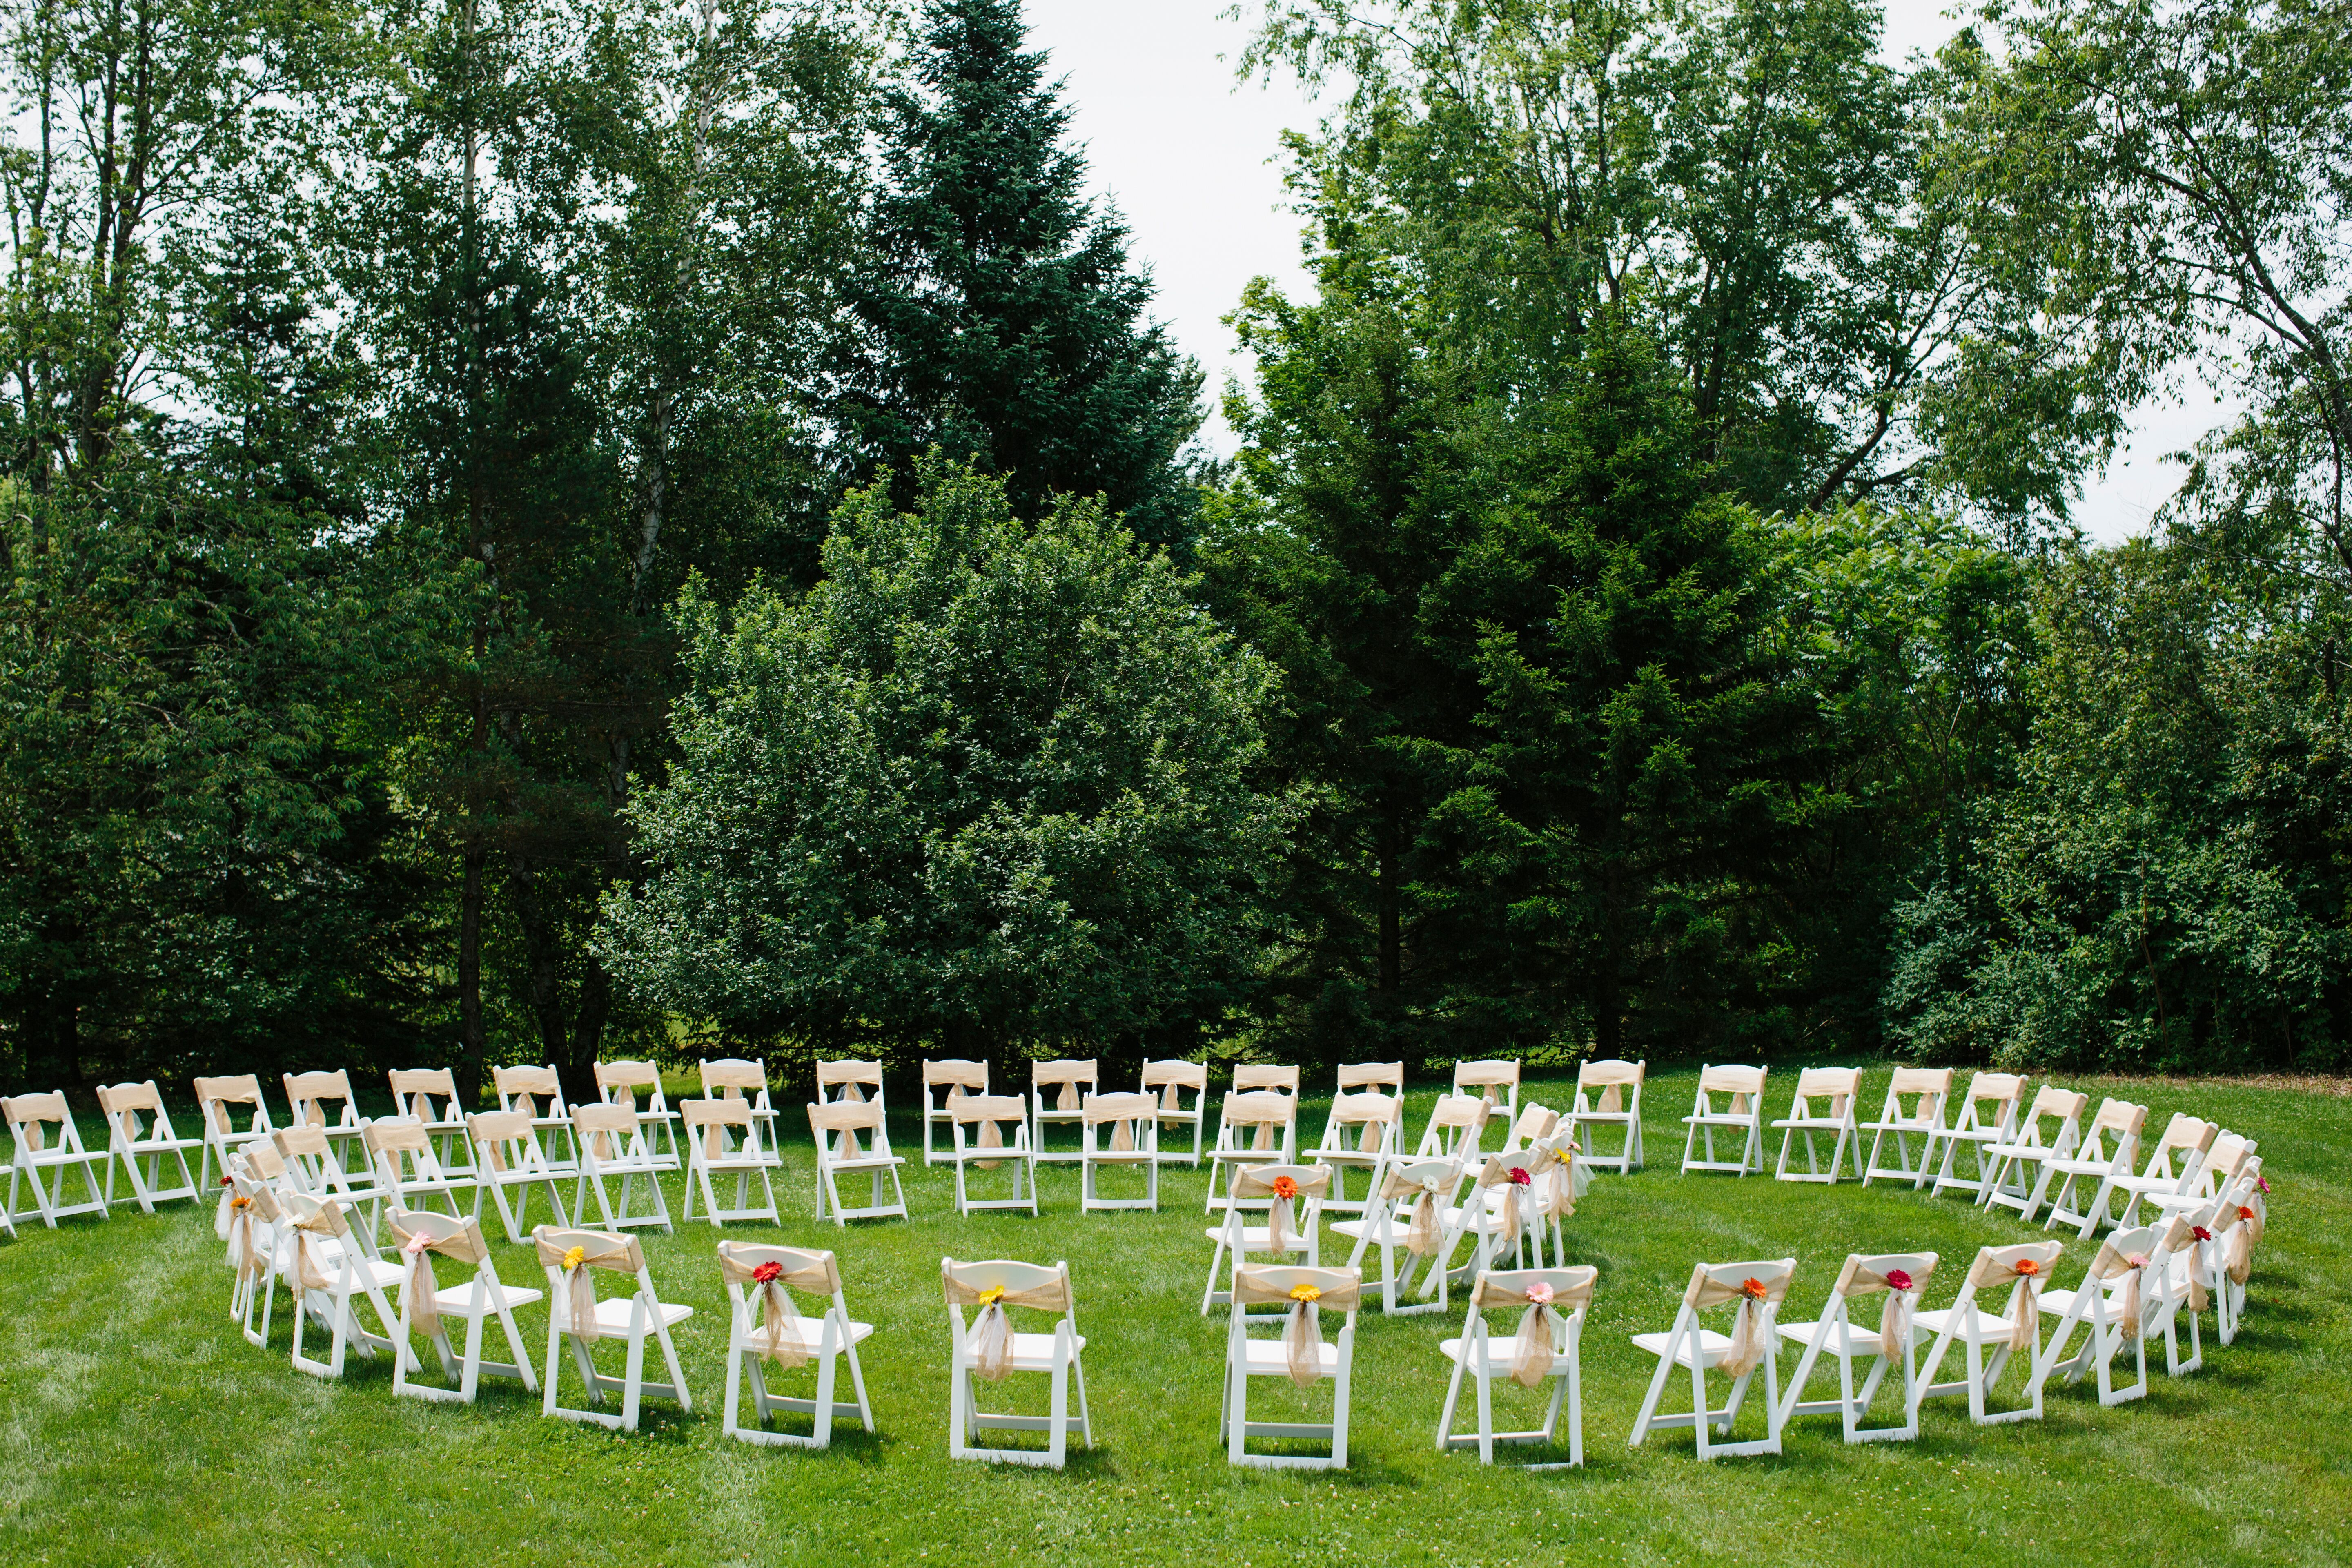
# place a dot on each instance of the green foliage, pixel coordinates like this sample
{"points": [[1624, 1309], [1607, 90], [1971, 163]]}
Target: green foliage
{"points": [[987, 784], [999, 319]]}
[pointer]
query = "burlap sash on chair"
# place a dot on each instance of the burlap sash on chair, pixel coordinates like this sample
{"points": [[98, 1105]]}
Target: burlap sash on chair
{"points": [[1371, 1113], [1267, 1109], [2106, 1265], [420, 1292], [778, 1312], [2025, 1314], [492, 1130], [250, 1203], [1421, 1237], [29, 1111], [1531, 1352], [1122, 1111], [1281, 1218], [601, 1125], [1553, 1167], [987, 1112], [845, 1117], [1302, 1344], [990, 1338], [598, 1250], [1894, 1317], [2182, 1239], [1518, 1191], [1067, 1075], [2244, 1225], [1751, 1326], [715, 1117], [326, 1218]]}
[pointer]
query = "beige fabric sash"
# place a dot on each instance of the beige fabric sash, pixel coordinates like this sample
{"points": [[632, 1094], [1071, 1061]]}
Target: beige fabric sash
{"points": [[493, 1129], [327, 1219], [1752, 1329], [988, 1110], [1894, 1317], [1531, 1353], [1266, 1107], [1281, 1219], [2181, 1240], [619, 1253], [1612, 1100], [1370, 1112], [1122, 1111], [847, 1118], [990, 1338], [2246, 1228], [606, 1128], [420, 1291], [1068, 1076], [777, 1310], [397, 1134], [2025, 1304], [1302, 1341], [29, 1111], [2110, 1263], [1554, 1169], [715, 1116], [244, 1211], [1421, 1239], [1504, 1171]]}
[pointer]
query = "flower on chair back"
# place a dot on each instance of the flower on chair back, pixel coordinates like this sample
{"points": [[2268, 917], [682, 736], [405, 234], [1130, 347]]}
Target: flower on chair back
{"points": [[1897, 1280], [992, 1296], [1754, 1290], [2200, 1233], [767, 1272], [2029, 1266], [1304, 1293], [2245, 1213], [1284, 1188], [1540, 1292], [574, 1259], [1519, 1177]]}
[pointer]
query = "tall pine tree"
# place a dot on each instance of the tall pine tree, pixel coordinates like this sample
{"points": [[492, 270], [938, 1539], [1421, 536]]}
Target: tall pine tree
{"points": [[998, 318]]}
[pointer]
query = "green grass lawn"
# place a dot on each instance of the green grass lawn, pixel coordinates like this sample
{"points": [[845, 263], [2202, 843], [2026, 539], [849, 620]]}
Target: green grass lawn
{"points": [[140, 1427]]}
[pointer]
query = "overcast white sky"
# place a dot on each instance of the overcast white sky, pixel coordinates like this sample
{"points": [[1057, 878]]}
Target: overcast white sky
{"points": [[1188, 156]]}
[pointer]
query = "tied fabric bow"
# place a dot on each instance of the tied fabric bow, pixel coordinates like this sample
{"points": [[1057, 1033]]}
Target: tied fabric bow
{"points": [[2025, 1319], [779, 1338], [1421, 1234], [1531, 1352], [240, 1219], [1750, 1334], [2136, 1265], [990, 1338], [582, 1290], [1281, 1219], [420, 1291], [2242, 1237], [1894, 1317], [575, 1263], [1302, 1347]]}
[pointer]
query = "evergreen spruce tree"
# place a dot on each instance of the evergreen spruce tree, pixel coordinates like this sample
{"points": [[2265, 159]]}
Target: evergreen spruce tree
{"points": [[997, 317]]}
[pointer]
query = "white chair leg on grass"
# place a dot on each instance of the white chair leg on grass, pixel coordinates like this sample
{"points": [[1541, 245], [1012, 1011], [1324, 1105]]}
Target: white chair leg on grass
{"points": [[1283, 1232], [1408, 1215], [836, 1127], [1609, 1099], [766, 1327], [714, 1151], [1134, 1123], [1991, 1341], [1842, 1088], [985, 1149], [1499, 1217], [507, 1158], [1755, 1291], [573, 1259], [127, 1140], [426, 1305], [327, 1268], [1301, 1354], [614, 1143], [1742, 1116], [29, 1117], [1887, 1347], [990, 1350], [1553, 1303], [1929, 1090], [2122, 1298]]}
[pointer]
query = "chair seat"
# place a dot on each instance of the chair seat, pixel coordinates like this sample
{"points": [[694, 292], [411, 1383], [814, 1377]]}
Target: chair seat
{"points": [[1122, 1157], [49, 1158], [473, 1297], [1496, 1362], [1854, 1338], [2173, 1202], [1989, 1326], [372, 1270], [2081, 1167], [1743, 1120], [1266, 1358], [1712, 1347], [612, 1316], [2035, 1151], [763, 1163], [1258, 1238], [1034, 1353], [863, 1163], [1920, 1127], [164, 1145], [2058, 1303], [2149, 1186], [811, 1332], [1811, 1123]]}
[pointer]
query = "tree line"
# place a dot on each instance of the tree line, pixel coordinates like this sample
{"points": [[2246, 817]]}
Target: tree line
{"points": [[537, 530]]}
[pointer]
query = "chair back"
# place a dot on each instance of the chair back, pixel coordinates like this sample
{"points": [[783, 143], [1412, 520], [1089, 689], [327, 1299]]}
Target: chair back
{"points": [[521, 1088], [1276, 1076], [414, 1091], [1744, 1085], [853, 1079], [1866, 1272], [309, 1092], [1992, 1099], [617, 1083], [959, 1076], [730, 1077], [122, 1104], [1841, 1087], [28, 1113], [1068, 1078], [608, 1132], [1172, 1077], [215, 1095], [1605, 1083], [1385, 1075]]}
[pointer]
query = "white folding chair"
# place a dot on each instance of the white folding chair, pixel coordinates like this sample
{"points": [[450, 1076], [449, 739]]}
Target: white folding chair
{"points": [[1553, 1303], [1364, 1131], [1283, 1232], [507, 1158], [836, 1127], [408, 1174], [538, 1092], [1929, 1090], [573, 1259], [2222, 1165], [426, 1305], [1554, 1166], [775, 1331], [1608, 1095], [326, 1266], [1901, 1277], [714, 1151], [324, 1099], [2109, 1146], [1255, 1127], [848, 1081], [988, 1349], [986, 1150], [1742, 1114], [945, 1083], [1455, 1130], [2121, 1299], [314, 1168], [1071, 1081], [2238, 1229], [28, 1117], [614, 1141], [1172, 1080], [1988, 1116], [430, 1095], [1407, 1214], [1301, 1354], [2186, 1138], [1534, 1122], [2187, 1281], [2051, 1129], [122, 1105], [256, 1224], [1495, 1082], [1134, 1123], [1498, 1215], [222, 1137], [2014, 1330], [1842, 1087], [1754, 1292], [734, 1077], [620, 1083]]}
